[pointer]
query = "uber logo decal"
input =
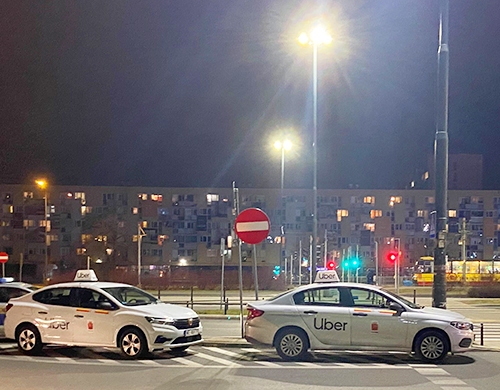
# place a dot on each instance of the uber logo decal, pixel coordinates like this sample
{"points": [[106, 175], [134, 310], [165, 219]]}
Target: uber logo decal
{"points": [[90, 325], [59, 325], [374, 327], [324, 324]]}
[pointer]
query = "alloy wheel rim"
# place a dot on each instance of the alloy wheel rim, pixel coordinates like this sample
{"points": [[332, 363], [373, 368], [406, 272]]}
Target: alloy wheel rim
{"points": [[432, 347], [291, 345], [131, 344], [27, 340]]}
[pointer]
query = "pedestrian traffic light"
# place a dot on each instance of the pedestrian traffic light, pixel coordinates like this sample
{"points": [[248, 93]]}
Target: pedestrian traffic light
{"points": [[330, 265], [392, 256], [276, 271]]}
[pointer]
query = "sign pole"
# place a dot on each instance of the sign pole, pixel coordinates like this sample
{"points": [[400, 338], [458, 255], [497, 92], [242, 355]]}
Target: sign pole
{"points": [[255, 275], [300, 262], [3, 270], [4, 257], [240, 262], [222, 250], [21, 261], [311, 263]]}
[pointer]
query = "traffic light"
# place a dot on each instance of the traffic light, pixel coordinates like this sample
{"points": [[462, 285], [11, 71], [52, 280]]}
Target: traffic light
{"points": [[392, 257], [330, 265], [276, 271]]}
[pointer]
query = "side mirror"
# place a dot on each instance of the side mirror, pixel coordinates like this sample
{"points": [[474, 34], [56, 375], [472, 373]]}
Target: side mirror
{"points": [[396, 307], [105, 306]]}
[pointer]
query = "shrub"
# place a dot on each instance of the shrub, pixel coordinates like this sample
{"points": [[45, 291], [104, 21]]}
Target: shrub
{"points": [[490, 290]]}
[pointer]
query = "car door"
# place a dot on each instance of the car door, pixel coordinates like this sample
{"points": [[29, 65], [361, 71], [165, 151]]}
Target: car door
{"points": [[54, 314], [373, 324], [93, 318], [4, 298], [326, 317]]}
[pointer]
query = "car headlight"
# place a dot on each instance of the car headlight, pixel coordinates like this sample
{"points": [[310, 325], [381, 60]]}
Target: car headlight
{"points": [[160, 321], [462, 325]]}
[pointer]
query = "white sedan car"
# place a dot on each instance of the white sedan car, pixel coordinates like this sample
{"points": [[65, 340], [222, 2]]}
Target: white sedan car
{"points": [[99, 314], [354, 316]]}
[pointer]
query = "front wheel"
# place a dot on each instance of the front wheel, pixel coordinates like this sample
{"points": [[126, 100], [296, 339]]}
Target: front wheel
{"points": [[28, 340], [432, 347], [291, 344], [133, 344]]}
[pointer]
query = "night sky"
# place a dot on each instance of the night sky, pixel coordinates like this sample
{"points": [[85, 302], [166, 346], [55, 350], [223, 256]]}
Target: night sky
{"points": [[194, 92]]}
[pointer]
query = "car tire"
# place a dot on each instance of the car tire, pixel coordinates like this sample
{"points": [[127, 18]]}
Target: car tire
{"points": [[179, 349], [133, 344], [291, 344], [432, 346], [28, 340]]}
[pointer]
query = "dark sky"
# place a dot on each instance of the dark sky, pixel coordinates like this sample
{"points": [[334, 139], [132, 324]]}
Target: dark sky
{"points": [[194, 92]]}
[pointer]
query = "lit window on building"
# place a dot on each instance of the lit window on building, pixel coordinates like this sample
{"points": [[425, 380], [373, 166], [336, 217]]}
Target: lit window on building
{"points": [[54, 237], [144, 224], [425, 176], [28, 195], [395, 199], [476, 199], [421, 213], [369, 226], [81, 251], [369, 199], [86, 210], [143, 196], [212, 198], [135, 210], [375, 214], [80, 195], [101, 238], [11, 209], [342, 213], [452, 213], [429, 199], [157, 198], [28, 223], [86, 238]]}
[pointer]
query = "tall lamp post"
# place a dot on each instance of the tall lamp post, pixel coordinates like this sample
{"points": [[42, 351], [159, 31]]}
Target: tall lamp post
{"points": [[285, 145], [43, 185], [318, 36]]}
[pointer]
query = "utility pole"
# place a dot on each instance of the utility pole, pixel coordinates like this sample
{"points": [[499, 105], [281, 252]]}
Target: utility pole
{"points": [[300, 262], [311, 261], [140, 234], [326, 249], [441, 161]]}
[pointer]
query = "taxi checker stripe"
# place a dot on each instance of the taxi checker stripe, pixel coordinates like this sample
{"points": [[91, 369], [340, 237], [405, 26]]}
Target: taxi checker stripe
{"points": [[102, 312], [252, 226], [84, 310]]}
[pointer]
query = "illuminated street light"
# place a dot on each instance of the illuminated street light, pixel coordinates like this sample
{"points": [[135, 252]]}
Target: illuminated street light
{"points": [[287, 145], [43, 185], [318, 36], [277, 145]]}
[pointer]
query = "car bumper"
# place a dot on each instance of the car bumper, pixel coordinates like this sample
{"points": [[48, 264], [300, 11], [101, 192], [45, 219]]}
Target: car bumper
{"points": [[259, 331], [461, 340], [164, 338]]}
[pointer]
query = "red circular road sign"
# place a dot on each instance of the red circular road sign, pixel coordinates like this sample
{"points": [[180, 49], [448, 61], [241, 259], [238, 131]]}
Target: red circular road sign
{"points": [[252, 226], [3, 257]]}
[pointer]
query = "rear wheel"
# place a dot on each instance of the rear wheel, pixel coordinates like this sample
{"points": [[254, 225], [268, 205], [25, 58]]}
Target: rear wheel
{"points": [[291, 344], [28, 340], [133, 344], [432, 346]]}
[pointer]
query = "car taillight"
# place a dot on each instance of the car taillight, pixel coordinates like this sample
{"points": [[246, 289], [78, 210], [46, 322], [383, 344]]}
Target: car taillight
{"points": [[253, 312], [9, 305]]}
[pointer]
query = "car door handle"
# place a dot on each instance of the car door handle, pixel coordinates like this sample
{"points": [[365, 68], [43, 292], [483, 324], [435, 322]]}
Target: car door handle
{"points": [[360, 314], [310, 312], [43, 312], [78, 316]]}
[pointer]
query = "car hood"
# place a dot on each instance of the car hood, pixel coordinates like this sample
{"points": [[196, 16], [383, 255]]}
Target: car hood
{"points": [[443, 314], [162, 310]]}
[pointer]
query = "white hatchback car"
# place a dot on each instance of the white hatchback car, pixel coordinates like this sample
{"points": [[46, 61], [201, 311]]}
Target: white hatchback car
{"points": [[99, 314], [354, 316]]}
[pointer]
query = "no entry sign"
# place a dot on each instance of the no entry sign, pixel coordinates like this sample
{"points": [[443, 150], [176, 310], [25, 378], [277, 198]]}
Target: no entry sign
{"points": [[252, 226], [4, 257]]}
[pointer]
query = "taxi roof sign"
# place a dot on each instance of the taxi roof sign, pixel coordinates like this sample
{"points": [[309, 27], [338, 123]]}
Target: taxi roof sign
{"points": [[6, 280], [326, 277], [85, 275]]}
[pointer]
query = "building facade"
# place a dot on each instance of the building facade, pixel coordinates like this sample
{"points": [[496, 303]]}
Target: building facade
{"points": [[183, 227]]}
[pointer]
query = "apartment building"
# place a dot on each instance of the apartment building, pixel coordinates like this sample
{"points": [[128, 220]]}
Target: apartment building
{"points": [[183, 227]]}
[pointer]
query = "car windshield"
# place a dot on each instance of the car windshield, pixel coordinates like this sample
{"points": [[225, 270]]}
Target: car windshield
{"points": [[405, 301], [131, 296]]}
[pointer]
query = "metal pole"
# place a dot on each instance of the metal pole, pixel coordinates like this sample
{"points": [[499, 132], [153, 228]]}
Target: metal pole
{"points": [[482, 333], [3, 270], [376, 263], [286, 270], [310, 259], [46, 239], [255, 275], [282, 227], [21, 262], [396, 266], [240, 261], [139, 242], [222, 250], [88, 262], [300, 262], [314, 261], [326, 249], [464, 251], [441, 161]]}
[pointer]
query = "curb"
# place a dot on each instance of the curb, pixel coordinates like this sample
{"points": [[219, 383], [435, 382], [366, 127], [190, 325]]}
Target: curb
{"points": [[218, 317], [226, 342], [483, 348]]}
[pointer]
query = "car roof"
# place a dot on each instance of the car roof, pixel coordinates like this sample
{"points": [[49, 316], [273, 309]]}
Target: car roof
{"points": [[25, 286], [88, 284]]}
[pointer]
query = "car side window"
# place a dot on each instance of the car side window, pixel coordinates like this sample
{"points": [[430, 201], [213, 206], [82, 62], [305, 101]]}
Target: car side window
{"points": [[4, 297], [90, 299], [15, 292], [369, 298], [319, 296], [54, 296]]}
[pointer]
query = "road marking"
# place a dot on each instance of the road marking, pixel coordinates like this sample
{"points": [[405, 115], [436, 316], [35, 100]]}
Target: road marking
{"points": [[215, 359], [447, 381], [150, 362], [268, 364], [187, 362], [254, 350], [457, 388], [431, 371]]}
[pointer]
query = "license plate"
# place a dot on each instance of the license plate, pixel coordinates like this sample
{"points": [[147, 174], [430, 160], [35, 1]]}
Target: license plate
{"points": [[191, 332]]}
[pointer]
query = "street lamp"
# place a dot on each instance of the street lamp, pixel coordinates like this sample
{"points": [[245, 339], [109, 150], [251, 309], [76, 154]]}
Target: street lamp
{"points": [[318, 36], [43, 185]]}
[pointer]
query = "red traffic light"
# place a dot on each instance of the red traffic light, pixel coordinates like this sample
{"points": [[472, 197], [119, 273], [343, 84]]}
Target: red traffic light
{"points": [[330, 265], [392, 256]]}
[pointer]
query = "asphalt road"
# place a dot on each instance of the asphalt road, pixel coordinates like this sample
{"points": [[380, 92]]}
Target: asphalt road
{"points": [[243, 368]]}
